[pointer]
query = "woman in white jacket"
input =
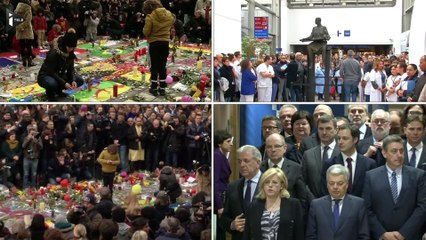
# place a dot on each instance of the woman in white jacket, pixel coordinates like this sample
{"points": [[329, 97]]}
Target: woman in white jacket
{"points": [[378, 81]]}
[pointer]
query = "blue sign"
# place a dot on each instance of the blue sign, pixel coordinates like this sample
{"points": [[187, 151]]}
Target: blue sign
{"points": [[347, 33], [261, 27]]}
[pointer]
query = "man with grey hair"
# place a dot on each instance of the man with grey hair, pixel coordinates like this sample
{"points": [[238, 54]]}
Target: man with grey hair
{"points": [[372, 146], [240, 192], [350, 71], [286, 113], [395, 195], [346, 213], [358, 115]]}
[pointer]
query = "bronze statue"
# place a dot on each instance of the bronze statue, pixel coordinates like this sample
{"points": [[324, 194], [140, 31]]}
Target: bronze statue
{"points": [[319, 37]]}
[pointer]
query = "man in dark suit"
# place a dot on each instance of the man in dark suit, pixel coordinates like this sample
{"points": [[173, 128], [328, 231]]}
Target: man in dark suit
{"points": [[357, 164], [414, 130], [270, 125], [233, 219], [372, 146], [275, 150], [314, 140], [395, 195], [421, 82], [314, 158], [292, 78], [357, 114], [338, 216], [286, 112]]}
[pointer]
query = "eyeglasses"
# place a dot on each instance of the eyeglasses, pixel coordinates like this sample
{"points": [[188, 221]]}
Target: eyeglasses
{"points": [[269, 128], [270, 147], [380, 121]]}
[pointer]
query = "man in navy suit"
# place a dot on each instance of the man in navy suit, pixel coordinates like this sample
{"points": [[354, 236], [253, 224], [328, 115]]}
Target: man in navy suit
{"points": [[372, 146], [395, 195], [314, 140], [357, 114], [338, 216], [314, 158], [414, 130], [356, 163], [232, 219]]}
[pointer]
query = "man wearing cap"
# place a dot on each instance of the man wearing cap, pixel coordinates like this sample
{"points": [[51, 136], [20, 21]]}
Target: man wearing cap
{"points": [[57, 71]]}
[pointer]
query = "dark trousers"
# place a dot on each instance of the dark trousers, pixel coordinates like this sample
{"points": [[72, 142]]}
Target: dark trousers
{"points": [[26, 47], [108, 180], [52, 86], [158, 52]]}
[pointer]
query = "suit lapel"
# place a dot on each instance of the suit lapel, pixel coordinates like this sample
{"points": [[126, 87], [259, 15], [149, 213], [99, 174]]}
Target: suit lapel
{"points": [[405, 183], [326, 209], [360, 168], [386, 182], [346, 208], [406, 160], [241, 193], [286, 167], [336, 151], [422, 158], [264, 166], [317, 158]]}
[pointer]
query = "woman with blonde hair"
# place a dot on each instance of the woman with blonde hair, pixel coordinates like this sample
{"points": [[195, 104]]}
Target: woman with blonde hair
{"points": [[140, 235], [132, 206], [80, 232], [278, 215]]}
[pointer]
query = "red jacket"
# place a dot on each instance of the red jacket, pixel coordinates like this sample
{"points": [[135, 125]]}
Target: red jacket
{"points": [[52, 35], [40, 23]]}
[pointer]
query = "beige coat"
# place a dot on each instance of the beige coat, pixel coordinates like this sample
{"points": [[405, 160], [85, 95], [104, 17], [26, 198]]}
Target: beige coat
{"points": [[25, 29]]}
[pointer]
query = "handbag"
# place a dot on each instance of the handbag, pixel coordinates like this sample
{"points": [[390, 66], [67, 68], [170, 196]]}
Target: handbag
{"points": [[374, 84]]}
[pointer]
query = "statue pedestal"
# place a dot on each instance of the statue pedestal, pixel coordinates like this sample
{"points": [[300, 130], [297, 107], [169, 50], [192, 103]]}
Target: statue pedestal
{"points": [[326, 57]]}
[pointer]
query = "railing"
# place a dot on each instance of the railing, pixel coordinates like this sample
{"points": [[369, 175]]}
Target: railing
{"points": [[339, 3]]}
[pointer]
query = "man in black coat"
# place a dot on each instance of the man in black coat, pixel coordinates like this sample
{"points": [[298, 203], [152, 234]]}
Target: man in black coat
{"points": [[57, 71], [233, 216], [292, 77]]}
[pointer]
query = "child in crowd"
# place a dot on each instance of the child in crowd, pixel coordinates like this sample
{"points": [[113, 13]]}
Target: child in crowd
{"points": [[109, 160], [53, 33], [40, 27]]}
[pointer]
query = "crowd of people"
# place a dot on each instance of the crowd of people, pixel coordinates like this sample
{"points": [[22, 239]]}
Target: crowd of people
{"points": [[103, 219], [322, 176], [45, 20], [47, 143], [353, 77]]}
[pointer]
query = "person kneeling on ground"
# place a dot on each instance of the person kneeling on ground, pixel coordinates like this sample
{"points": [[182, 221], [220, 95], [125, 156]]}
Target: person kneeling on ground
{"points": [[57, 71]]}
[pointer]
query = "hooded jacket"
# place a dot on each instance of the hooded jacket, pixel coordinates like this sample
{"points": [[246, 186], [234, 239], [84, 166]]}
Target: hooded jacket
{"points": [[157, 25], [58, 64], [24, 30]]}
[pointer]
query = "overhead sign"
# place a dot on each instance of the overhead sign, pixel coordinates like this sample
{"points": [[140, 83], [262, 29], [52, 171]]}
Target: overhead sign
{"points": [[346, 33], [261, 27]]}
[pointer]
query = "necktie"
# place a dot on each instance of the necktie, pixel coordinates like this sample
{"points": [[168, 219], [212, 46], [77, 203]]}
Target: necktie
{"points": [[325, 153], [349, 160], [275, 166], [247, 196], [394, 187], [413, 158], [336, 213]]}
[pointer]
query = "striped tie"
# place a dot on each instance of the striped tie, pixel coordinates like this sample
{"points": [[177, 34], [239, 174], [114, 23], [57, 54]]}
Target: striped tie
{"points": [[394, 187]]}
